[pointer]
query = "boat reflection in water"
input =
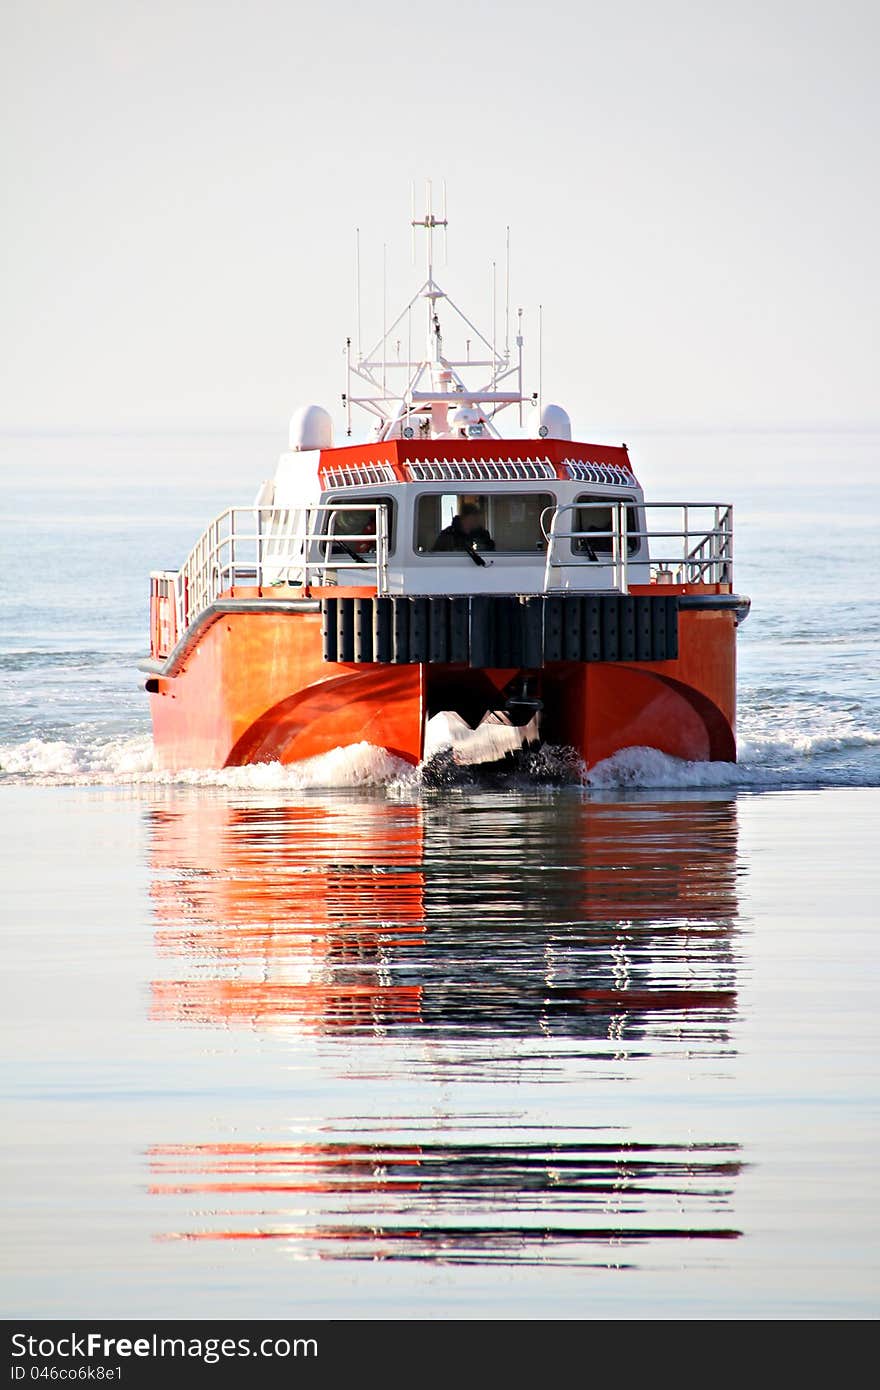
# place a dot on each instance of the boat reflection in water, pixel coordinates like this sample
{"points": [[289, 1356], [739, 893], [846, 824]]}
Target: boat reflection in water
{"points": [[545, 940]]}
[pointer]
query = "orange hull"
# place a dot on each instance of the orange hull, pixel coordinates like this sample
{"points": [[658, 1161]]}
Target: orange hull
{"points": [[255, 687], [686, 707]]}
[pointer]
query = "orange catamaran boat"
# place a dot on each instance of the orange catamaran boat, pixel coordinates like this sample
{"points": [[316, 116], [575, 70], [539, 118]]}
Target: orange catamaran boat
{"points": [[446, 590]]}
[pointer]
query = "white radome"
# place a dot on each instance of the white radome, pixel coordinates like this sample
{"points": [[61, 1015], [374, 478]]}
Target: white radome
{"points": [[311, 427], [552, 423]]}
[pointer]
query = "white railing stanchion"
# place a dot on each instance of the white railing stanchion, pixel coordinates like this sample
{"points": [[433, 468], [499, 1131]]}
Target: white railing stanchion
{"points": [[381, 551], [551, 543], [623, 547], [307, 517]]}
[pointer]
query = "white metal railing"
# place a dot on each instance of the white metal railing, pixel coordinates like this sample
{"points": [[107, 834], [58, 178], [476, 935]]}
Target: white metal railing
{"points": [[698, 551], [261, 546]]}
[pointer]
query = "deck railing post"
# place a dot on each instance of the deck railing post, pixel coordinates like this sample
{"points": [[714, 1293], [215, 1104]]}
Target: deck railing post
{"points": [[624, 547], [551, 542], [381, 549]]}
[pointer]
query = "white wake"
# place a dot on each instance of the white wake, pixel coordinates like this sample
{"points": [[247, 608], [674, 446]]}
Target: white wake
{"points": [[850, 756]]}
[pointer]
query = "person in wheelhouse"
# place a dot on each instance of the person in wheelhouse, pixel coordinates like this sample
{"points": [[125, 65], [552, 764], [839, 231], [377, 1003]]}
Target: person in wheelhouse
{"points": [[466, 531]]}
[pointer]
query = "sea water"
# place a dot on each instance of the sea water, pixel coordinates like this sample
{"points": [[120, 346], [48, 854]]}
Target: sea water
{"points": [[324, 1040]]}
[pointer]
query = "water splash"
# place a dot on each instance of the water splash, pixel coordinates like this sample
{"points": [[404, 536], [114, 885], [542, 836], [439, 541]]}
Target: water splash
{"points": [[131, 761], [796, 759], [70, 762], [773, 757]]}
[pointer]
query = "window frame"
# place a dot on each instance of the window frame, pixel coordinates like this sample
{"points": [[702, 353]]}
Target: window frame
{"points": [[335, 501], [633, 545], [537, 551]]}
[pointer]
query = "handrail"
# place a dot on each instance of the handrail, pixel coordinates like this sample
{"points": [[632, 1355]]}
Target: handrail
{"points": [[265, 545], [708, 559], [617, 536], [270, 545]]}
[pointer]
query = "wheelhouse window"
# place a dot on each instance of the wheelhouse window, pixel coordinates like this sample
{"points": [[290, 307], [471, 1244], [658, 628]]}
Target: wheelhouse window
{"points": [[353, 529], [508, 522], [595, 515]]}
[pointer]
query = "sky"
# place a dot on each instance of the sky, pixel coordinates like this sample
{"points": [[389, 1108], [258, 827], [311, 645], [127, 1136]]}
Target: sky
{"points": [[692, 194]]}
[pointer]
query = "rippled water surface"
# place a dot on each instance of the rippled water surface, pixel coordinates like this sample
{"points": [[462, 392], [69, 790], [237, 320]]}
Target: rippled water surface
{"points": [[329, 1041]]}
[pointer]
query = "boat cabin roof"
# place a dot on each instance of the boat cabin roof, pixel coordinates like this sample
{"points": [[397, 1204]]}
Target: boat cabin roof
{"points": [[474, 460]]}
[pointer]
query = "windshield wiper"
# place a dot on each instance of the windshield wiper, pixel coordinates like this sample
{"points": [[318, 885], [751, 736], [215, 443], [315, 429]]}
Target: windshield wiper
{"points": [[347, 550], [475, 555]]}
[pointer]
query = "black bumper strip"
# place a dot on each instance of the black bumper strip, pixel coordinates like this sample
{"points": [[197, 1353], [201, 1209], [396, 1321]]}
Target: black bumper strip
{"points": [[478, 630], [738, 604], [500, 630]]}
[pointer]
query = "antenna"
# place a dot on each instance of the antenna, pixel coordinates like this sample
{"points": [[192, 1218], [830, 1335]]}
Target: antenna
{"points": [[412, 220], [540, 358], [507, 301], [434, 379], [494, 284], [519, 355], [429, 222], [384, 313], [357, 282], [445, 224]]}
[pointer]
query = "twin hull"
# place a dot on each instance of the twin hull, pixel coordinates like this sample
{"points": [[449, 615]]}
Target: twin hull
{"points": [[254, 680]]}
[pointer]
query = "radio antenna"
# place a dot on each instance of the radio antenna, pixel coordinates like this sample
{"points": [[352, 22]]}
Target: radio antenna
{"points": [[494, 326], [507, 301], [357, 282], [519, 359], [540, 358], [429, 223]]}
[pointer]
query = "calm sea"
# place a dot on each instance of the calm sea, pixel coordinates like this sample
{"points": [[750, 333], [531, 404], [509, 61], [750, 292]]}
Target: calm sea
{"points": [[327, 1042]]}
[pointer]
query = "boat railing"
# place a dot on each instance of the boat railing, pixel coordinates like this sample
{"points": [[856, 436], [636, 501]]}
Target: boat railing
{"points": [[268, 546], [265, 546], [697, 550]]}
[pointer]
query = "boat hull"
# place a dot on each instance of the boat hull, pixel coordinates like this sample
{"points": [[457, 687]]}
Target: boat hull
{"points": [[253, 685]]}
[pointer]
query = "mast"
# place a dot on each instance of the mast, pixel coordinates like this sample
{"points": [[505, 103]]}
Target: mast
{"points": [[421, 395]]}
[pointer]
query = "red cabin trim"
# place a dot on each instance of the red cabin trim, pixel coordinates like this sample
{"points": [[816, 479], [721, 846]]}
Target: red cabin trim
{"points": [[399, 452]]}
